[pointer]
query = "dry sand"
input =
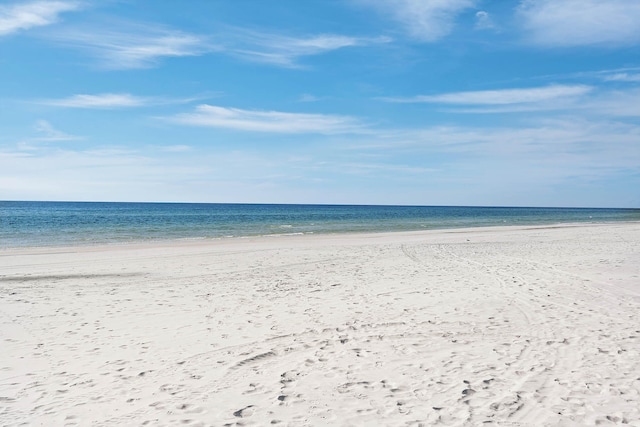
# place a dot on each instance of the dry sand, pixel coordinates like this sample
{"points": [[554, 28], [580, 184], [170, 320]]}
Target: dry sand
{"points": [[498, 326]]}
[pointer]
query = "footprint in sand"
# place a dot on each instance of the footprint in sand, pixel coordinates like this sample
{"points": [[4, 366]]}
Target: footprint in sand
{"points": [[244, 412]]}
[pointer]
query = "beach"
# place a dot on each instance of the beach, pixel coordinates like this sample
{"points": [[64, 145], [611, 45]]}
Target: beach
{"points": [[504, 326]]}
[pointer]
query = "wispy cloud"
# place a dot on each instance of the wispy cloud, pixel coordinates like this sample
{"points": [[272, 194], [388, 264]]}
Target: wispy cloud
{"points": [[267, 121], [286, 51], [623, 74], [424, 20], [615, 103], [501, 96], [501, 162], [48, 133], [133, 46], [181, 148], [576, 99], [22, 16], [116, 100], [67, 174], [143, 46], [496, 165], [45, 132], [104, 100], [623, 77], [581, 22], [602, 143], [597, 103], [307, 97], [484, 21]]}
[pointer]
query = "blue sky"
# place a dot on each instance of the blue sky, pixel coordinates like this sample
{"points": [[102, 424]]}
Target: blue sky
{"points": [[420, 102]]}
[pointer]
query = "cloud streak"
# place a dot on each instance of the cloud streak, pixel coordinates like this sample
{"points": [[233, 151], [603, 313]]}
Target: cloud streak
{"points": [[569, 23], [116, 100], [267, 121], [133, 46], [602, 103], [623, 77], [286, 51], [105, 100], [426, 21], [18, 17], [567, 143], [47, 133], [501, 96]]}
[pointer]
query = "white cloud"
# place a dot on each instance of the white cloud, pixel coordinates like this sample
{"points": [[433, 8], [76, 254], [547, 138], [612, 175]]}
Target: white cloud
{"points": [[307, 97], [598, 104], [425, 20], [502, 96], [615, 103], [285, 51], [443, 165], [623, 77], [104, 100], [46, 132], [142, 46], [484, 21], [565, 146], [176, 148], [578, 99], [133, 46], [118, 100], [581, 22], [267, 121], [23, 16], [65, 174]]}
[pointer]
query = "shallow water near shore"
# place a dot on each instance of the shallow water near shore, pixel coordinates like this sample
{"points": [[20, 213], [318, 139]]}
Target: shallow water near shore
{"points": [[77, 223]]}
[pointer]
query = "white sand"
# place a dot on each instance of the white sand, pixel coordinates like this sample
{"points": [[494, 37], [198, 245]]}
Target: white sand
{"points": [[500, 326]]}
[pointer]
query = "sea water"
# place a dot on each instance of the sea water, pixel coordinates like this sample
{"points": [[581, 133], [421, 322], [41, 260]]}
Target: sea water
{"points": [[72, 223]]}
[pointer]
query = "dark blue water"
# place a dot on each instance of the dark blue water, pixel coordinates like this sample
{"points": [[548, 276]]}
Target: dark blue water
{"points": [[70, 223]]}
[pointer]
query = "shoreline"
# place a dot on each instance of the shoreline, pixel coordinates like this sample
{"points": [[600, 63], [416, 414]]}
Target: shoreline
{"points": [[186, 241], [70, 224], [503, 325]]}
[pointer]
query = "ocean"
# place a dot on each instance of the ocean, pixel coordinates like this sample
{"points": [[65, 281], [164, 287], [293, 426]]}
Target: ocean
{"points": [[28, 224]]}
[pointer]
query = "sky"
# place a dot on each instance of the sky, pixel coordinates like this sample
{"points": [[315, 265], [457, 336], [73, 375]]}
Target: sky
{"points": [[401, 102]]}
